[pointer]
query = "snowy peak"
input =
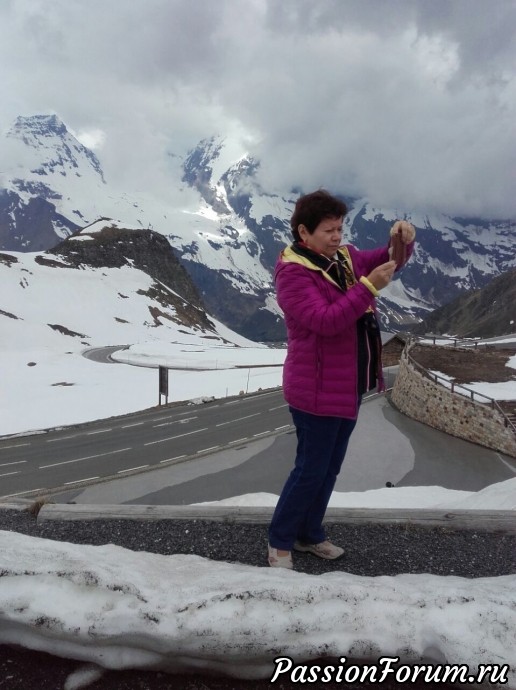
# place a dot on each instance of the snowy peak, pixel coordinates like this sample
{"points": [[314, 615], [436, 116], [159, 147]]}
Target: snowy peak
{"points": [[32, 128], [232, 225], [55, 149], [199, 173]]}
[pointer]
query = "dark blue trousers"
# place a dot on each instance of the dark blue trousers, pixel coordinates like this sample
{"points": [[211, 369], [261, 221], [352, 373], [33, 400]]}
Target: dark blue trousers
{"points": [[321, 446]]}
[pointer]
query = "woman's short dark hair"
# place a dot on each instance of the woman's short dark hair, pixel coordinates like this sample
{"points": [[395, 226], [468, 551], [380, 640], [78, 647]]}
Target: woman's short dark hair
{"points": [[312, 208]]}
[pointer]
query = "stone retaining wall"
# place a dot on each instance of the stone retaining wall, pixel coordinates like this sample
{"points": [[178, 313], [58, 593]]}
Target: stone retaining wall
{"points": [[421, 398]]}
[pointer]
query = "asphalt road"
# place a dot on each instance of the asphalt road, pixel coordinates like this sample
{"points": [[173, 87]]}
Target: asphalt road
{"points": [[215, 450], [32, 465]]}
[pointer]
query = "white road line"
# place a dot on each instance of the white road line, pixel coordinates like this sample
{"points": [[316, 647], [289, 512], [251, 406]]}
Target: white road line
{"points": [[87, 457], [100, 431], [178, 457], [205, 450], [18, 445], [271, 409], [507, 464], [262, 433], [285, 426], [128, 426], [239, 440], [78, 481], [239, 419], [176, 421], [232, 402], [22, 493], [61, 438], [263, 395], [171, 438], [130, 469], [8, 474], [18, 462]]}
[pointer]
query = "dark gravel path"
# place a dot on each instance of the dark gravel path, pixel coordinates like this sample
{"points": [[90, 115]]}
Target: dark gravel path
{"points": [[370, 550]]}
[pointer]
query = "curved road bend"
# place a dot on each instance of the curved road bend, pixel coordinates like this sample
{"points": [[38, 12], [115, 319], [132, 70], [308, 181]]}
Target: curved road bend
{"points": [[31, 465]]}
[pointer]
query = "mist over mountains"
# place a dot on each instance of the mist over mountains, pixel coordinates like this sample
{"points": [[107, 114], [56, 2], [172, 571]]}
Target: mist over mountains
{"points": [[229, 231]]}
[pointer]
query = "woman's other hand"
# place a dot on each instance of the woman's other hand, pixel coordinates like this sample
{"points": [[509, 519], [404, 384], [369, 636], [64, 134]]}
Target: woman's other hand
{"points": [[381, 276]]}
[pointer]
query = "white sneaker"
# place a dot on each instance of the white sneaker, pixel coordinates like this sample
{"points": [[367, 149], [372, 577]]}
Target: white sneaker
{"points": [[324, 550], [276, 561]]}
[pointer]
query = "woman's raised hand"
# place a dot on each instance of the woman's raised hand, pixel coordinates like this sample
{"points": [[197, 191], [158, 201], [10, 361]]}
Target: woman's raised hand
{"points": [[405, 230], [381, 276]]}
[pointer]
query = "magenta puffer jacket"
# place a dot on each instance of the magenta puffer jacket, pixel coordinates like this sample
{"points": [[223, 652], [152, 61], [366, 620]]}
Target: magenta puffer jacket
{"points": [[320, 371]]}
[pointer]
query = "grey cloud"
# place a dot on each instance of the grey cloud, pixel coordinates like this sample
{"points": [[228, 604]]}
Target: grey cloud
{"points": [[410, 102]]}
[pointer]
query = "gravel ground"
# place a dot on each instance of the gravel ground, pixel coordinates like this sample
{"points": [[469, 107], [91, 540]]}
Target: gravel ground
{"points": [[370, 550]]}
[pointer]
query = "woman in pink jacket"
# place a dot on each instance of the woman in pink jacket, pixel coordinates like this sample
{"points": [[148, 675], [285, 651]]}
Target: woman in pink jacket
{"points": [[327, 293]]}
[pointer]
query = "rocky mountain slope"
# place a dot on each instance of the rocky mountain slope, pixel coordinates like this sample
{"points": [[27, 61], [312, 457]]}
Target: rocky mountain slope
{"points": [[104, 245], [230, 229], [106, 285], [486, 313]]}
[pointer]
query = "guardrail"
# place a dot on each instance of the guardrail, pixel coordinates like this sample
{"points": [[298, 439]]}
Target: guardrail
{"points": [[452, 386]]}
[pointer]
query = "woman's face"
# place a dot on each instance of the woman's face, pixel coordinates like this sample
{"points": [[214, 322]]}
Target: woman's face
{"points": [[326, 238]]}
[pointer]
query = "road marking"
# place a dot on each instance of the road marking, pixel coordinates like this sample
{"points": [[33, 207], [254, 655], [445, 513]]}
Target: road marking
{"points": [[78, 481], [239, 440], [239, 419], [176, 421], [262, 433], [263, 395], [18, 445], [205, 450], [61, 438], [285, 426], [172, 414], [507, 464], [128, 426], [271, 409], [87, 457], [131, 469], [22, 493], [8, 474], [100, 431], [171, 438], [232, 402], [18, 462], [178, 457]]}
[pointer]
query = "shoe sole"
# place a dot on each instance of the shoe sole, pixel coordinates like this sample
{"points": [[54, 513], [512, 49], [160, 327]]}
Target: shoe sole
{"points": [[307, 549]]}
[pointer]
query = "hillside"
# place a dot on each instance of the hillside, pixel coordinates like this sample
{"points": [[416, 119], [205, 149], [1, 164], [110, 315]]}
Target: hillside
{"points": [[486, 313], [227, 224]]}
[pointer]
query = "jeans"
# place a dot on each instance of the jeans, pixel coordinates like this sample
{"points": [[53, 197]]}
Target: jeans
{"points": [[321, 446]]}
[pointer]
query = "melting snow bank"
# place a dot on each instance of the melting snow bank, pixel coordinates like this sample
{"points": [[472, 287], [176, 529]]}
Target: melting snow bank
{"points": [[122, 609], [499, 496]]}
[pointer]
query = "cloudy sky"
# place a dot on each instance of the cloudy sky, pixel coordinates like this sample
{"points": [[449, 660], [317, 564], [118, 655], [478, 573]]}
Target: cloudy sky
{"points": [[410, 102]]}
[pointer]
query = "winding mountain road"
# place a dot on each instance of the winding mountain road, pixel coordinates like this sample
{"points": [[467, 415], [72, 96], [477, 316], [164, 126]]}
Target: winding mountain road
{"points": [[38, 464], [193, 441]]}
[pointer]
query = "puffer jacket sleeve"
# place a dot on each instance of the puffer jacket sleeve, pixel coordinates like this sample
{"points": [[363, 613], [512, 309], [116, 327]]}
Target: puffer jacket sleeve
{"points": [[301, 298], [365, 260]]}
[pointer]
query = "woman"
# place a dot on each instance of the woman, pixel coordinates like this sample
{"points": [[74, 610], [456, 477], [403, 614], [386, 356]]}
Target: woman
{"points": [[327, 293]]}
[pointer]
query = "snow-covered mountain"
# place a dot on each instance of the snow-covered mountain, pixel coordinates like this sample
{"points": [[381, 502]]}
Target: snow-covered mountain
{"points": [[229, 240], [108, 286]]}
